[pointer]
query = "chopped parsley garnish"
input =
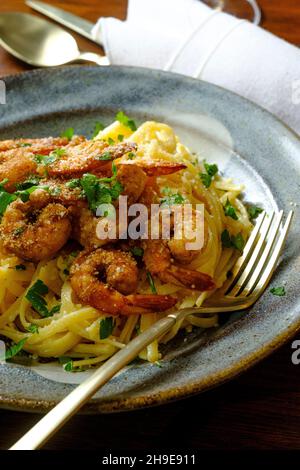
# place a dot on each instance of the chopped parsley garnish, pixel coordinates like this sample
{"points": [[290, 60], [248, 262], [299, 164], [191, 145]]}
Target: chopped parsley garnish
{"points": [[27, 184], [120, 137], [67, 363], [24, 144], [158, 364], [110, 141], [15, 349], [238, 242], [126, 121], [206, 179], [54, 191], [232, 241], [35, 295], [151, 282], [5, 200], [20, 267], [33, 328], [211, 171], [51, 158], [131, 155], [106, 327], [3, 183], [230, 210], [137, 251], [172, 199], [105, 156], [24, 195], [98, 127], [254, 211], [279, 291], [68, 133], [74, 183], [100, 190]]}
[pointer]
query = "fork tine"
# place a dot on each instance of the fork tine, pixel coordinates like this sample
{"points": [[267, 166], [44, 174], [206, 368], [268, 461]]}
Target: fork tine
{"points": [[265, 230], [246, 288], [243, 260], [272, 262]]}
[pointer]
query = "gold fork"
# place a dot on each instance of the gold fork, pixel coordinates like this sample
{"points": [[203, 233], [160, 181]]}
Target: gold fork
{"points": [[250, 276]]}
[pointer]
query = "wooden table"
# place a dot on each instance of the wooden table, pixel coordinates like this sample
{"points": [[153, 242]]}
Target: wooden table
{"points": [[260, 409]]}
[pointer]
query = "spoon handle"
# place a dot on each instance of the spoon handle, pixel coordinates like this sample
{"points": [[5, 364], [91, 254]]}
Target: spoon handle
{"points": [[93, 57]]}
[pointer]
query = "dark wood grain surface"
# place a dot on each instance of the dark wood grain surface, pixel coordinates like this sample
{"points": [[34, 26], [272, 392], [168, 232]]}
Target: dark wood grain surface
{"points": [[260, 409]]}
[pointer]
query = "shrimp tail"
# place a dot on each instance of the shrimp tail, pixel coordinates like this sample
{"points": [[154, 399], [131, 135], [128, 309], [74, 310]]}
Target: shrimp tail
{"points": [[188, 278], [151, 303], [156, 168]]}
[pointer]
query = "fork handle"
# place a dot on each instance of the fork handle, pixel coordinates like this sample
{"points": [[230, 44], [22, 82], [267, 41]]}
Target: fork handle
{"points": [[61, 413]]}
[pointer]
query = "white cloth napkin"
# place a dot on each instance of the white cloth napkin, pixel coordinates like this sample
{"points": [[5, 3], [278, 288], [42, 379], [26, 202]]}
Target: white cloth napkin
{"points": [[186, 36]]}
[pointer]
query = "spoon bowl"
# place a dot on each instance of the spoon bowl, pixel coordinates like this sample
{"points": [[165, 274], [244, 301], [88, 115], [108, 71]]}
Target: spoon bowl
{"points": [[41, 43]]}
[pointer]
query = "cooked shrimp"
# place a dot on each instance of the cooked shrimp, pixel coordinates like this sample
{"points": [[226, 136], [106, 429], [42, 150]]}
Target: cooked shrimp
{"points": [[85, 229], [16, 165], [159, 262], [154, 167], [37, 229], [42, 146], [133, 181], [89, 156], [177, 246], [107, 280]]}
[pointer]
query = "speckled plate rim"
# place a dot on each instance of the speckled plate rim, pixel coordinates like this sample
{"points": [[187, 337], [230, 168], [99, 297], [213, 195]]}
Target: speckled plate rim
{"points": [[196, 386]]}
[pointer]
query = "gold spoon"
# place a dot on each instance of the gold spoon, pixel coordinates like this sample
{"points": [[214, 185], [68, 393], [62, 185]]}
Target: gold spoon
{"points": [[41, 43]]}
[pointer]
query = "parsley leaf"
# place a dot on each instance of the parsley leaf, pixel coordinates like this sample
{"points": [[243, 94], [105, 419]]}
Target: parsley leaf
{"points": [[35, 295], [230, 211], [51, 158], [234, 241], [172, 199], [131, 155], [27, 184], [5, 200], [68, 133], [137, 251], [254, 211], [226, 239], [110, 141], [151, 282], [279, 291], [238, 242], [120, 137], [206, 179], [15, 349], [106, 327], [211, 170], [33, 328], [24, 144], [98, 127], [67, 363], [126, 121], [74, 183], [105, 156], [98, 192]]}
